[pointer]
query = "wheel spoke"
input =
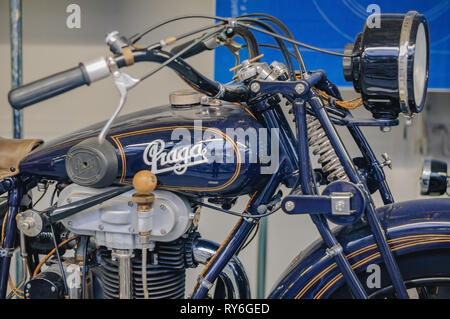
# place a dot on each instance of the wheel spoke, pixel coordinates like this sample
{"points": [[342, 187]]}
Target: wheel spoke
{"points": [[423, 292], [412, 293]]}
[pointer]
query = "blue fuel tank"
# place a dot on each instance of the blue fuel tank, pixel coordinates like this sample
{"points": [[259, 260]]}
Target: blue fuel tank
{"points": [[200, 150]]}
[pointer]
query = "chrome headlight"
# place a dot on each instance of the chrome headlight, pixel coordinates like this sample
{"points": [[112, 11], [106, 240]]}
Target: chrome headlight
{"points": [[389, 66]]}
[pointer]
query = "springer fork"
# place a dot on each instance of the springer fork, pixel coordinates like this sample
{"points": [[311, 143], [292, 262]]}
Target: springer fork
{"points": [[354, 176]]}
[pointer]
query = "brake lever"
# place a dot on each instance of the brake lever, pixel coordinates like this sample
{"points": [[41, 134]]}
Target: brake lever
{"points": [[124, 83]]}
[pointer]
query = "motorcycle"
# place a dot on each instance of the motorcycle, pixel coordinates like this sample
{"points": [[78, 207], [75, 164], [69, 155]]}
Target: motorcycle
{"points": [[128, 192]]}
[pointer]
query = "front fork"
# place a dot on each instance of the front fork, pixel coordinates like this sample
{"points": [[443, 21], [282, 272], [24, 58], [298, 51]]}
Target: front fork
{"points": [[354, 176], [308, 188]]}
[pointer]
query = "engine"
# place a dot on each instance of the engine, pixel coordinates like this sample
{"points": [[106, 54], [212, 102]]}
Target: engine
{"points": [[114, 223], [113, 227]]}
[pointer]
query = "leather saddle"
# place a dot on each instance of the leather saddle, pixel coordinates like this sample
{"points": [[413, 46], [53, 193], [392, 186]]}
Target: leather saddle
{"points": [[12, 152]]}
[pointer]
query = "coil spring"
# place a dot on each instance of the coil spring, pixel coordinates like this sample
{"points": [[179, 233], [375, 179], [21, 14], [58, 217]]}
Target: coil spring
{"points": [[321, 145]]}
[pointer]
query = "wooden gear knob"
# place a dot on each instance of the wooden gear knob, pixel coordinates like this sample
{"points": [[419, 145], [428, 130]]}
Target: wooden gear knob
{"points": [[144, 182]]}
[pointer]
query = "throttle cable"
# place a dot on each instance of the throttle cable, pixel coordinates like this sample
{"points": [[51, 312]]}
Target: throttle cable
{"points": [[281, 44], [175, 56], [135, 38], [277, 22], [302, 44]]}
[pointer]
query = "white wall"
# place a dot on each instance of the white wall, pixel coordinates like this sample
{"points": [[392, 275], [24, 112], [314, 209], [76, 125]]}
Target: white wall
{"points": [[50, 47]]}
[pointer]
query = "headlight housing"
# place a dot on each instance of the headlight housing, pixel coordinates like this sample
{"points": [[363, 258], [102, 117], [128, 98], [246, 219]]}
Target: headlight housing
{"points": [[389, 66]]}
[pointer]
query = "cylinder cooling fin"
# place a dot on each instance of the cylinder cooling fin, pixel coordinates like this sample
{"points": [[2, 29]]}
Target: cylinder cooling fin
{"points": [[166, 270]]}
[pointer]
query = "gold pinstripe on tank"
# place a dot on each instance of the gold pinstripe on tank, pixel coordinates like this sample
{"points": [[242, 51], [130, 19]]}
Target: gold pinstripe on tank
{"points": [[116, 139]]}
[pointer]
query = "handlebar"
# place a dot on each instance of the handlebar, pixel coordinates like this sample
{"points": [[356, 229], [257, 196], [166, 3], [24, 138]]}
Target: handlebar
{"points": [[56, 84], [87, 73], [48, 87], [194, 78]]}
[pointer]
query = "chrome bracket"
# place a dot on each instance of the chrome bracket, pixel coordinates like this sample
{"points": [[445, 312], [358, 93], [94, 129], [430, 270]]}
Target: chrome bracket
{"points": [[402, 61], [6, 252], [220, 93], [340, 203], [115, 42], [204, 283], [386, 160], [232, 22], [333, 251]]}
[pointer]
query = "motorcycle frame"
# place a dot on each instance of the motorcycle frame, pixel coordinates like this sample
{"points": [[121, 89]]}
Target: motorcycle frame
{"points": [[294, 166], [294, 157]]}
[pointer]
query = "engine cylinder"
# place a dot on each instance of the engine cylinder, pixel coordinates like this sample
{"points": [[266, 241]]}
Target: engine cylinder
{"points": [[166, 270]]}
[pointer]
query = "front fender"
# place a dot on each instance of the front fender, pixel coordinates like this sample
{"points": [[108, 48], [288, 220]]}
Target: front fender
{"points": [[410, 227]]}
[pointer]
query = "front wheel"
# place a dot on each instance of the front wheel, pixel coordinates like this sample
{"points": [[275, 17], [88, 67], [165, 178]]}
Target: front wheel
{"points": [[426, 275]]}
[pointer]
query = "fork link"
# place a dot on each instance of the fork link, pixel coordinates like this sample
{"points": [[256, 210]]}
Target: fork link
{"points": [[321, 145]]}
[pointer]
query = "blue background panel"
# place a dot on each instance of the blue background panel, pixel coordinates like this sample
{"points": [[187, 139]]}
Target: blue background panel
{"points": [[331, 24]]}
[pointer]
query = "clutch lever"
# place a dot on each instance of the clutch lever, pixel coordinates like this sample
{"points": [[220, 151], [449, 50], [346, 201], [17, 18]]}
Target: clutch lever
{"points": [[124, 83]]}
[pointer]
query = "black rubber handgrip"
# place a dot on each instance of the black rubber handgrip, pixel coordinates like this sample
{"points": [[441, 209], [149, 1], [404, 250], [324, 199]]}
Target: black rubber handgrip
{"points": [[196, 49], [48, 87]]}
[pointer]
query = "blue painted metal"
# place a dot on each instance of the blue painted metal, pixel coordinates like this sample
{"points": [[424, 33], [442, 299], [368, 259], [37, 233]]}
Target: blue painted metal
{"points": [[284, 173], [353, 127], [132, 133], [308, 187], [261, 259], [373, 163], [14, 199], [308, 204], [288, 158], [355, 177], [322, 204], [417, 222], [357, 202], [350, 169], [347, 163], [287, 88], [369, 122], [6, 185], [227, 250]]}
